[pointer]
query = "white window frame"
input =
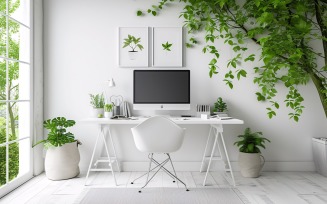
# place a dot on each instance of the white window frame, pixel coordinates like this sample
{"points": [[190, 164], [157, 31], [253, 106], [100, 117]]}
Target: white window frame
{"points": [[11, 185]]}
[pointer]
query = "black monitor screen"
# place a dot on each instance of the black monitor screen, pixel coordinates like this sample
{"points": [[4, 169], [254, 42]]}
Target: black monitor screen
{"points": [[162, 86]]}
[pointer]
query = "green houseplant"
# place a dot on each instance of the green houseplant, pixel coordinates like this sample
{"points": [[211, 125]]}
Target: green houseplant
{"points": [[62, 157], [133, 43], [250, 155], [97, 102], [220, 105], [108, 108]]}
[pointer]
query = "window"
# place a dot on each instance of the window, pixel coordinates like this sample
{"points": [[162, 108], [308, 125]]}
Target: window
{"points": [[15, 94]]}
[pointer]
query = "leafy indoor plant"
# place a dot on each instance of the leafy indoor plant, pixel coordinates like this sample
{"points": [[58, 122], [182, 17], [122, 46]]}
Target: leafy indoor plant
{"points": [[97, 102], [133, 43], [249, 156], [62, 157], [108, 108], [220, 105]]}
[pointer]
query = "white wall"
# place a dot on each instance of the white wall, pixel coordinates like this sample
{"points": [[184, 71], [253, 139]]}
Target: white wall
{"points": [[80, 53]]}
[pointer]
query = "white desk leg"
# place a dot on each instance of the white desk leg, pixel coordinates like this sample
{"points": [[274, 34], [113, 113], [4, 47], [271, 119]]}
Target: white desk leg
{"points": [[227, 158], [212, 153], [92, 157], [114, 150], [108, 155], [205, 150]]}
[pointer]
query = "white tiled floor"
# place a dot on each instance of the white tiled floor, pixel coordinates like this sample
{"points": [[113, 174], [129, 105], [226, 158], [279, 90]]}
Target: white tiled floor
{"points": [[271, 187]]}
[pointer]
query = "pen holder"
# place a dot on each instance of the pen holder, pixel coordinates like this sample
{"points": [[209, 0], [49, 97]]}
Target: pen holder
{"points": [[202, 110], [205, 116]]}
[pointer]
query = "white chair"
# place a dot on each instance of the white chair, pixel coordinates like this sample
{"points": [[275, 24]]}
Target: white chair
{"points": [[158, 135]]}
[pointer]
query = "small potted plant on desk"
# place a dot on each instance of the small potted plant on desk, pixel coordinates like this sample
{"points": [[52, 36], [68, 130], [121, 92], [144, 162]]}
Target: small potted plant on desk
{"points": [[220, 107], [108, 108], [97, 102], [249, 159], [62, 157]]}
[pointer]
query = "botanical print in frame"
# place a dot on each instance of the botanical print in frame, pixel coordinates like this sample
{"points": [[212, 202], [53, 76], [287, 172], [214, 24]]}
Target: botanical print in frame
{"points": [[167, 47], [133, 46]]}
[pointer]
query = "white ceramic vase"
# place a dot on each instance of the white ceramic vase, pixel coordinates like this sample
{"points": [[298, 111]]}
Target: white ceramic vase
{"points": [[250, 164], [62, 162], [97, 112], [108, 114]]}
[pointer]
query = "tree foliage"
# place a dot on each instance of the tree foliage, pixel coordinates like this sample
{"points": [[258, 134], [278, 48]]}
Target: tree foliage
{"points": [[284, 30]]}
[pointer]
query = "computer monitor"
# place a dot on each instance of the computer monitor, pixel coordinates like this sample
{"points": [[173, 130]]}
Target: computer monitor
{"points": [[161, 90]]}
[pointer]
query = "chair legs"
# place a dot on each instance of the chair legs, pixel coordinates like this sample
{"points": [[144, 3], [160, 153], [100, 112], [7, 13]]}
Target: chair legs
{"points": [[158, 167]]}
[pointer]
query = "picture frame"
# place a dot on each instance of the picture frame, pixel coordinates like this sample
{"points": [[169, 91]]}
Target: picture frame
{"points": [[167, 47], [133, 47]]}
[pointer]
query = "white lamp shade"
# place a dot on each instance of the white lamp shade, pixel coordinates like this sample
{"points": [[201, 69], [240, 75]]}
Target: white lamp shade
{"points": [[111, 83]]}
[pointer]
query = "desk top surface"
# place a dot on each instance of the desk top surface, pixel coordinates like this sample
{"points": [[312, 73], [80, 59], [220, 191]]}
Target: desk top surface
{"points": [[177, 120]]}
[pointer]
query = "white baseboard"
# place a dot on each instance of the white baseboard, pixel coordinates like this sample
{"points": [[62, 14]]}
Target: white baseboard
{"points": [[195, 166]]}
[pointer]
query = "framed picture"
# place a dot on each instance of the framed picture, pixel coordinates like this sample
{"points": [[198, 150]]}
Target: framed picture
{"points": [[133, 46], [167, 47]]}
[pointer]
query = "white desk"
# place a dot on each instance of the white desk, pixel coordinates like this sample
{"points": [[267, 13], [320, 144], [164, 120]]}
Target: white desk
{"points": [[216, 127]]}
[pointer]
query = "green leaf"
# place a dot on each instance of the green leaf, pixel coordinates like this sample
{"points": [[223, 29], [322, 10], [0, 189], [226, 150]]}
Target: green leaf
{"points": [[240, 73], [139, 13], [260, 97], [154, 13]]}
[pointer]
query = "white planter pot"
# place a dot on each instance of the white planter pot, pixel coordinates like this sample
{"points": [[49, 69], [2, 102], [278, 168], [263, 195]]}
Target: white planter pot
{"points": [[250, 164], [96, 112], [108, 114], [62, 162], [132, 55], [221, 114]]}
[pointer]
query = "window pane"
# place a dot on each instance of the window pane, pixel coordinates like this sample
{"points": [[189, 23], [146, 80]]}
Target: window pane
{"points": [[19, 158], [3, 36], [3, 137], [19, 120], [20, 11], [2, 79], [19, 42], [3, 7], [19, 81], [3, 154], [13, 160]]}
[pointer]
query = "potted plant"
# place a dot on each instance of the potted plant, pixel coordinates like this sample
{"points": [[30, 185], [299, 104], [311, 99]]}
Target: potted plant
{"points": [[62, 156], [220, 107], [97, 102], [108, 110], [249, 159], [133, 43]]}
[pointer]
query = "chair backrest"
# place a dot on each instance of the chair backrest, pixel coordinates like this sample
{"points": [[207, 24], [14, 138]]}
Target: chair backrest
{"points": [[158, 135]]}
